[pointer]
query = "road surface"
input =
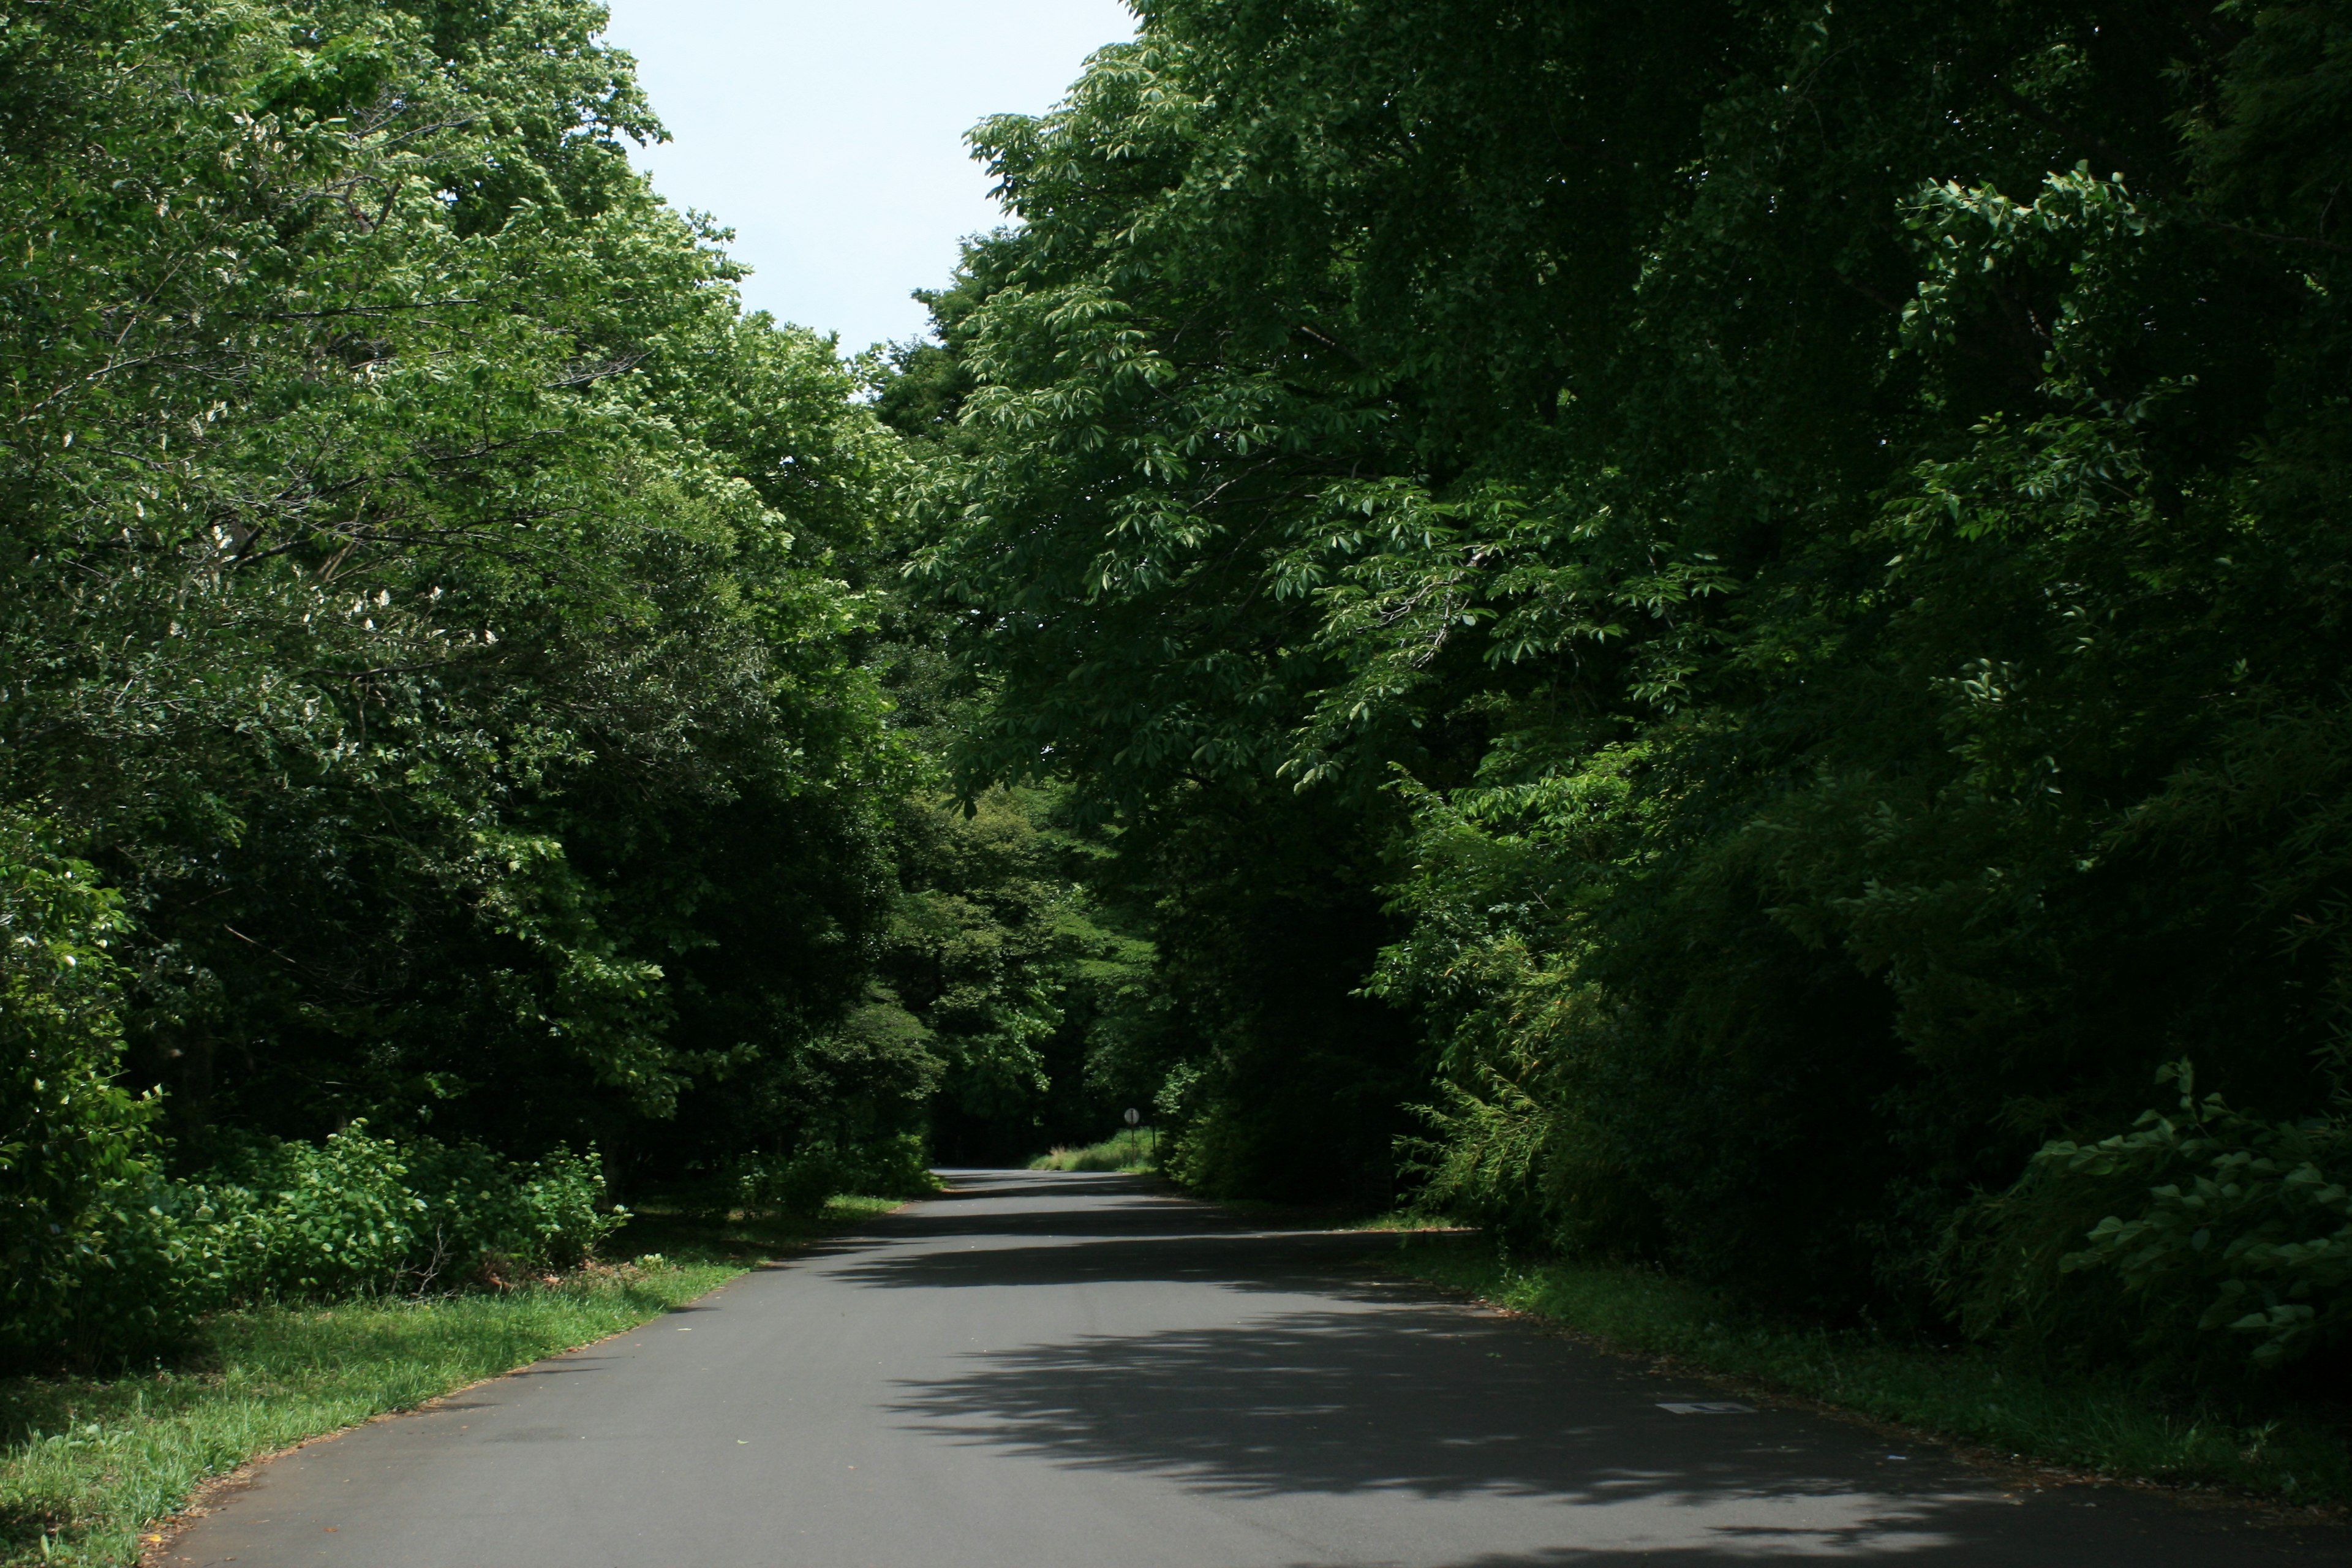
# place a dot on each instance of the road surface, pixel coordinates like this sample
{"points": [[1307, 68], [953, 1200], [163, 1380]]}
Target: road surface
{"points": [[1054, 1371]]}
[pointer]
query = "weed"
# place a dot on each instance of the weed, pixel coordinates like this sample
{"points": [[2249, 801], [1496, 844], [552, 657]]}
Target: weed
{"points": [[1124, 1151]]}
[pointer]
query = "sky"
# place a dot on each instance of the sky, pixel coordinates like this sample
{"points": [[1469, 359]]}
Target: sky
{"points": [[830, 136]]}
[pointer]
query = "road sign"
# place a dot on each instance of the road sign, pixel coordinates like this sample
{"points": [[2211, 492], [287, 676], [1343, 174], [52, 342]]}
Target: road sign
{"points": [[1133, 1116]]}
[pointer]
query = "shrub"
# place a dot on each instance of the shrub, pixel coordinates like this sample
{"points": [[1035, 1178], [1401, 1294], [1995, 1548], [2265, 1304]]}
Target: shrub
{"points": [[2208, 1238], [359, 1215], [481, 1211], [799, 1184], [278, 1220], [83, 1263], [101, 1258], [895, 1167], [1212, 1154]]}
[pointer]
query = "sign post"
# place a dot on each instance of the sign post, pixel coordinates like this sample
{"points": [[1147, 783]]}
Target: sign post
{"points": [[1133, 1116]]}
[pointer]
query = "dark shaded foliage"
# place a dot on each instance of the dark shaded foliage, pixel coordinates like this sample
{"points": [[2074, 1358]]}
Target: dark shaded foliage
{"points": [[1829, 524]]}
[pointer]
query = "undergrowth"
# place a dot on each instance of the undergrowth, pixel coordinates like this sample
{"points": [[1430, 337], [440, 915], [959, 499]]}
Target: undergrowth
{"points": [[1126, 1152]]}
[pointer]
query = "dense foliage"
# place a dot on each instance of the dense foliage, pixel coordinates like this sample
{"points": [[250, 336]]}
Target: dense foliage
{"points": [[1713, 638], [75, 1146], [424, 614], [1772, 578], [280, 1221]]}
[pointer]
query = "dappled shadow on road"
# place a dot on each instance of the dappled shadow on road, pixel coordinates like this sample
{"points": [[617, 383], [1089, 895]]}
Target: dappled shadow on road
{"points": [[1066, 1196], [1333, 1401], [1246, 1263], [968, 1186], [1159, 1221], [1331, 1383], [1069, 1210], [1430, 1404]]}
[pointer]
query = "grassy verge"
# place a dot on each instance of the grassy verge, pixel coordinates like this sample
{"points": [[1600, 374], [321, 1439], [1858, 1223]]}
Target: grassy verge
{"points": [[1127, 1151], [2106, 1426], [86, 1464]]}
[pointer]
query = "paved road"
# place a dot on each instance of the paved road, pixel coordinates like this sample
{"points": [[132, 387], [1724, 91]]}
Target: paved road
{"points": [[1073, 1371]]}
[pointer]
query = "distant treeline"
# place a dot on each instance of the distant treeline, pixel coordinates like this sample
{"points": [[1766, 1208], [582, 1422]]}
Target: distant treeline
{"points": [[1727, 624]]}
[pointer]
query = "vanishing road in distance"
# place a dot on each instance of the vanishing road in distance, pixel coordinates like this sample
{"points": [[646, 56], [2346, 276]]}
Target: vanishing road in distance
{"points": [[1063, 1371]]}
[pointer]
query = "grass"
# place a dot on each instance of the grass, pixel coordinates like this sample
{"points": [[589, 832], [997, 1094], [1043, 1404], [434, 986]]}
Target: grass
{"points": [[2107, 1426], [87, 1465], [1123, 1152], [1410, 1222]]}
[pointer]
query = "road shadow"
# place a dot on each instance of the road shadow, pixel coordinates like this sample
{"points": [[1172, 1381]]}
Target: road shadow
{"points": [[970, 1185], [1354, 1387], [1428, 1400], [1435, 1403], [1240, 1262]]}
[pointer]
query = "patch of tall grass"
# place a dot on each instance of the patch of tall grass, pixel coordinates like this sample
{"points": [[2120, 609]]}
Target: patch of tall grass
{"points": [[1130, 1150], [2106, 1423]]}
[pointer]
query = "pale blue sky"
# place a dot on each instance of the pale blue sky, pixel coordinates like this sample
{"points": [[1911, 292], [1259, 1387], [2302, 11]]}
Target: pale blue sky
{"points": [[830, 137]]}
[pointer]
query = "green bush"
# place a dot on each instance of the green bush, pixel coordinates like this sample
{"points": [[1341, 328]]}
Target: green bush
{"points": [[895, 1167], [1211, 1155], [799, 1184], [360, 1215], [2208, 1239], [82, 1260]]}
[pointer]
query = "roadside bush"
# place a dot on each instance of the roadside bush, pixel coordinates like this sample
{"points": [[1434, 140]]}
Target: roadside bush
{"points": [[360, 1215], [2208, 1240], [895, 1167], [82, 1256], [799, 1184], [1487, 1163], [1210, 1154], [277, 1220], [102, 1258], [550, 1213]]}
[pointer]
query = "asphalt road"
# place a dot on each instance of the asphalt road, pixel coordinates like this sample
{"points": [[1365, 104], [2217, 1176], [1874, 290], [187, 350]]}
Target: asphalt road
{"points": [[1073, 1371]]}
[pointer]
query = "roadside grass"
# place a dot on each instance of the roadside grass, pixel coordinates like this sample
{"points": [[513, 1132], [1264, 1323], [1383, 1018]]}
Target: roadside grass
{"points": [[88, 1464], [1411, 1221], [1126, 1152], [2106, 1424]]}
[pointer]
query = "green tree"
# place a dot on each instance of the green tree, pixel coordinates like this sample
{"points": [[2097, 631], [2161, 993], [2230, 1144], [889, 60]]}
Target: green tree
{"points": [[423, 596], [1825, 527], [76, 1160]]}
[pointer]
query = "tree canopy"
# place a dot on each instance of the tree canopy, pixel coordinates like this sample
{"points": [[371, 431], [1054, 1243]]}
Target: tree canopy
{"points": [[424, 601], [1793, 560], [1712, 635]]}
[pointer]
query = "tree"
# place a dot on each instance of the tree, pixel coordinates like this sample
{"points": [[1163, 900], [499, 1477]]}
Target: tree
{"points": [[1826, 524], [422, 594]]}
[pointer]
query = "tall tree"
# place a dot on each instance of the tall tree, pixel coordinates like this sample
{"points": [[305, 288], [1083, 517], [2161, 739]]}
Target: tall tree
{"points": [[1828, 524], [423, 590]]}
